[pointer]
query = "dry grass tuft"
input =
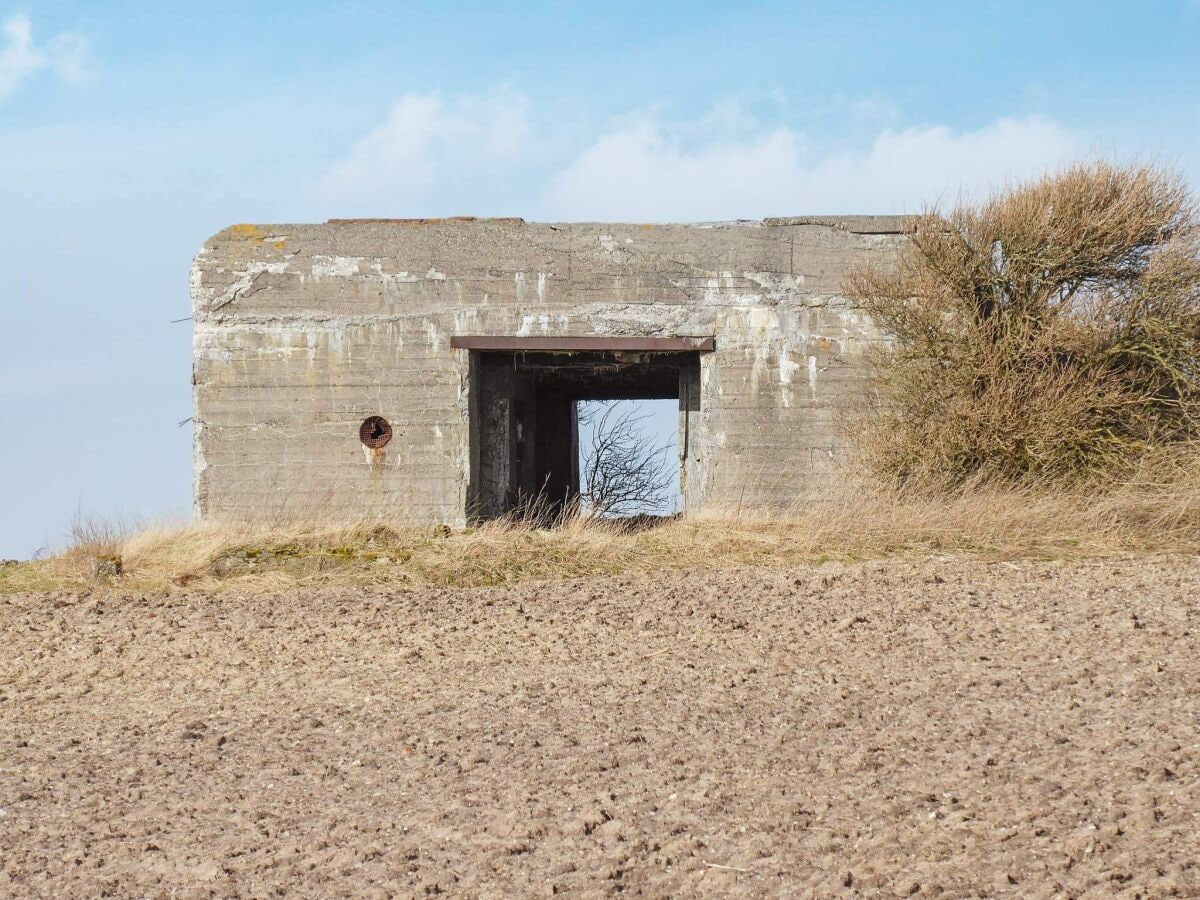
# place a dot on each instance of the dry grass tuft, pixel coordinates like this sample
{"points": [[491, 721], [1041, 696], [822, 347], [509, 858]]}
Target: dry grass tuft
{"points": [[1156, 509]]}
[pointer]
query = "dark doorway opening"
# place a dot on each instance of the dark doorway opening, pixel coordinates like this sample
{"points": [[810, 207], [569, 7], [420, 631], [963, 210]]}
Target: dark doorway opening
{"points": [[525, 450]]}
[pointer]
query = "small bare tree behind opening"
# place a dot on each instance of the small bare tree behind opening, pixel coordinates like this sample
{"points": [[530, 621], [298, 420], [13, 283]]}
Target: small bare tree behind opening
{"points": [[625, 472]]}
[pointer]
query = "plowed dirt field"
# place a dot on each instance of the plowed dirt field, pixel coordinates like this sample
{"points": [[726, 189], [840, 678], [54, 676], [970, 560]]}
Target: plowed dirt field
{"points": [[905, 727]]}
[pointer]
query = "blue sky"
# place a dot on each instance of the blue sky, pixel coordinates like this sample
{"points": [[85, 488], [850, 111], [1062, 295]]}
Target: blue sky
{"points": [[131, 132]]}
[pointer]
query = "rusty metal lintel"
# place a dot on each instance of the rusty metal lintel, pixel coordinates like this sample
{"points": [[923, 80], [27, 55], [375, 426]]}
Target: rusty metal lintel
{"points": [[445, 220], [583, 344]]}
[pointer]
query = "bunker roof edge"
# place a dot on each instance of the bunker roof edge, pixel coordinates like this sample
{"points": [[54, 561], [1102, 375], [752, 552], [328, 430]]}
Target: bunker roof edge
{"points": [[854, 224]]}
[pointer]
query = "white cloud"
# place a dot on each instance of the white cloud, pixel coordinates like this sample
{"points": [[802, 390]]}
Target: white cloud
{"points": [[428, 142], [66, 55], [652, 171], [481, 154]]}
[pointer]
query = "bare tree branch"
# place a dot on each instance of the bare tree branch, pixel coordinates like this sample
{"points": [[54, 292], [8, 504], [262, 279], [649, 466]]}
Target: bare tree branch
{"points": [[624, 471]]}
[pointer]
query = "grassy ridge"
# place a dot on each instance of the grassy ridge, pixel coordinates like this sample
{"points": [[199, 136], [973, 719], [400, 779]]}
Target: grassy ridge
{"points": [[1156, 510]]}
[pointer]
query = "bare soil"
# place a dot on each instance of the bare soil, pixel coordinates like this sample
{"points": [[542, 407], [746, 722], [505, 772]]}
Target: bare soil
{"points": [[947, 726]]}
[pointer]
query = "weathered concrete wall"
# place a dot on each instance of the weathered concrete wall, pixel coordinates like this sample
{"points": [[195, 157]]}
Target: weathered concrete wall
{"points": [[302, 331]]}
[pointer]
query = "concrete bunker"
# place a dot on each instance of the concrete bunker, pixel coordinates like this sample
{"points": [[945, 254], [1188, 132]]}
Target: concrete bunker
{"points": [[424, 370], [524, 435]]}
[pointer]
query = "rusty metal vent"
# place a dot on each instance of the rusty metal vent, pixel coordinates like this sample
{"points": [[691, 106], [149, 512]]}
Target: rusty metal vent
{"points": [[375, 432]]}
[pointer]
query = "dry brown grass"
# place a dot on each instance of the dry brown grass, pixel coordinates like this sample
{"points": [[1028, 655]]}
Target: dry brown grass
{"points": [[1155, 510]]}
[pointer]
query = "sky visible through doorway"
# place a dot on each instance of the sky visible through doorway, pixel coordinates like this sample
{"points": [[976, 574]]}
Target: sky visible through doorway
{"points": [[660, 426]]}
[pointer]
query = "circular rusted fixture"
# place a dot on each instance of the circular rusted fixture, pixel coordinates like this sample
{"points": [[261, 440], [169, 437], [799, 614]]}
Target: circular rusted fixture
{"points": [[375, 432]]}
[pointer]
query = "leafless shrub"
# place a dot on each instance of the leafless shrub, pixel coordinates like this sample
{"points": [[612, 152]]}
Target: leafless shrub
{"points": [[1052, 332], [96, 543], [625, 472]]}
